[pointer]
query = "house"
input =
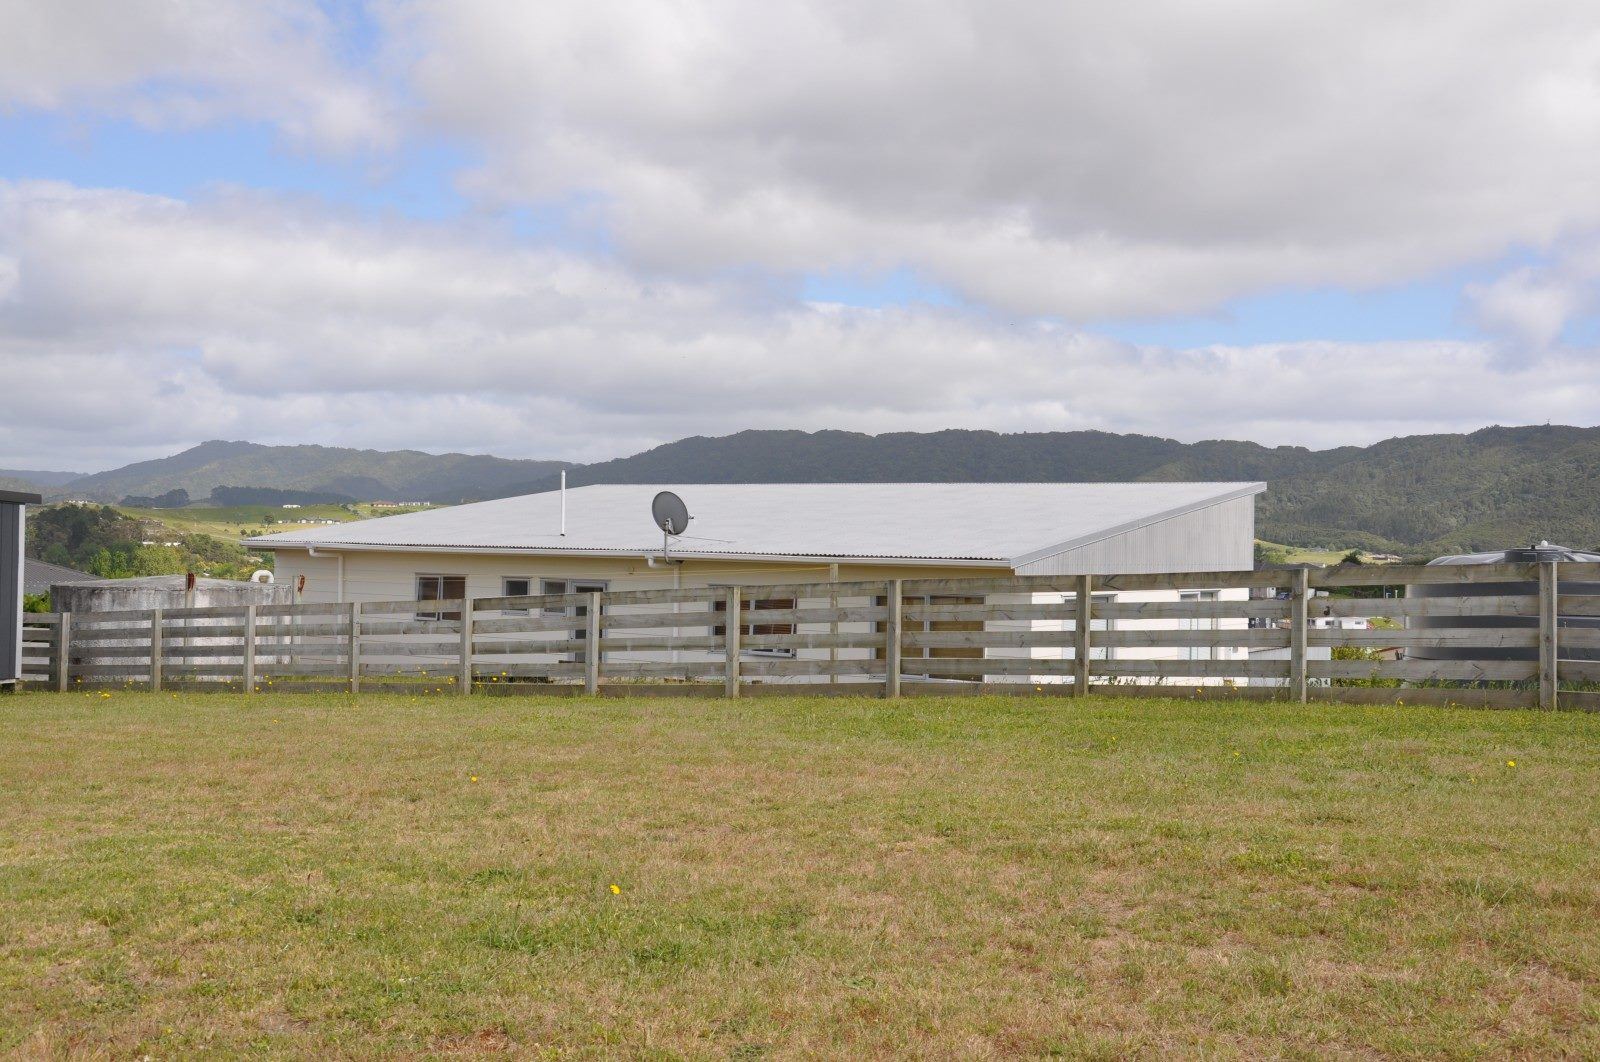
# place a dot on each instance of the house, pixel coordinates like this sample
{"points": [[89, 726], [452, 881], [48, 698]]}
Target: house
{"points": [[13, 533], [39, 576], [603, 538]]}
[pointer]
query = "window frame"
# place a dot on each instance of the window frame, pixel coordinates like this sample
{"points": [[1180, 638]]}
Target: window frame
{"points": [[441, 580], [747, 630], [1198, 623], [505, 591], [575, 611]]}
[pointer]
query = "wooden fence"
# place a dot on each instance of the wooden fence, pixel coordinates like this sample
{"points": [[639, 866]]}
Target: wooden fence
{"points": [[1511, 635]]}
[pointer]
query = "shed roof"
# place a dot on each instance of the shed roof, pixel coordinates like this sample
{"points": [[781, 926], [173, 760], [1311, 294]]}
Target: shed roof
{"points": [[977, 523], [39, 576]]}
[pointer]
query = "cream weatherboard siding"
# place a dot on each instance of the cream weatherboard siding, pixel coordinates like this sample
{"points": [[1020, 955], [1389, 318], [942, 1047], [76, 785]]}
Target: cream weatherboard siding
{"points": [[376, 576], [371, 575]]}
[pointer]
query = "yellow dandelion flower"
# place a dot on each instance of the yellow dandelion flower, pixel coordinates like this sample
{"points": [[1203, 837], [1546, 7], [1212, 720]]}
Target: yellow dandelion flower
{"points": [[616, 890], [1511, 763], [474, 778]]}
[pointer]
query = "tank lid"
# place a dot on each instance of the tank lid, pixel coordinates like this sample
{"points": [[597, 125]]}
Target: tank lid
{"points": [[1544, 551], [163, 582]]}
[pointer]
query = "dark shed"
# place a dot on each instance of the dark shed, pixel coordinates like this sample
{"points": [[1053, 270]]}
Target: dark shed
{"points": [[13, 532]]}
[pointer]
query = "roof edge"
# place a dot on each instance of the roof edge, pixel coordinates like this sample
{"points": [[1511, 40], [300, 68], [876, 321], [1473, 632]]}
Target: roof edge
{"points": [[522, 551], [1246, 490], [20, 497]]}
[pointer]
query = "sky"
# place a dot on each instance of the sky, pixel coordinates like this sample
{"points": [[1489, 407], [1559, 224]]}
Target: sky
{"points": [[575, 230]]}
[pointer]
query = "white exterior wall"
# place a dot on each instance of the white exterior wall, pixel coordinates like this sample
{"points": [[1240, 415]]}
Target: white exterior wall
{"points": [[1313, 652], [1121, 652], [392, 576], [1218, 538]]}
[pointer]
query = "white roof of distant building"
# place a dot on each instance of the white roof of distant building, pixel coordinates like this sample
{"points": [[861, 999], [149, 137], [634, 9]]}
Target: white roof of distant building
{"points": [[980, 523]]}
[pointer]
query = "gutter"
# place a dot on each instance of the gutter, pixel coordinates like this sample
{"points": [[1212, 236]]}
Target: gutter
{"points": [[335, 548]]}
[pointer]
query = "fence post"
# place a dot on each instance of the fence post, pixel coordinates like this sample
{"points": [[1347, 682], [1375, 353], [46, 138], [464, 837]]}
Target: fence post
{"points": [[155, 649], [591, 656], [63, 652], [1299, 608], [464, 680], [1549, 644], [249, 649], [1080, 636], [353, 647], [833, 627], [731, 630], [892, 628]]}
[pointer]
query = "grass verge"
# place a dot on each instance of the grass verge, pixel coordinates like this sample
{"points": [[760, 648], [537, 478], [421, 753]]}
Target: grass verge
{"points": [[375, 875]]}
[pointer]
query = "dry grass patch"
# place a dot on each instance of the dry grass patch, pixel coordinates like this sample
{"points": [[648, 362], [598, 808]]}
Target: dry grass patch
{"points": [[321, 874]]}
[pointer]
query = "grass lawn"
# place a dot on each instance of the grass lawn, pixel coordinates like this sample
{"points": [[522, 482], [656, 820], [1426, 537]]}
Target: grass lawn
{"points": [[1278, 553], [232, 523], [325, 874]]}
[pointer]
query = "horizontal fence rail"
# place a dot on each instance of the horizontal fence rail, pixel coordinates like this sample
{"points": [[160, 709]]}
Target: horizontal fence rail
{"points": [[1495, 635]]}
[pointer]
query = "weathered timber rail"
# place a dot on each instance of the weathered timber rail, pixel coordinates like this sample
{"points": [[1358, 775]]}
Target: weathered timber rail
{"points": [[1266, 634]]}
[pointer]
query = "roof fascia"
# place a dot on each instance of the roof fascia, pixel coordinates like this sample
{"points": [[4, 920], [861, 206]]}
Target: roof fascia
{"points": [[542, 551]]}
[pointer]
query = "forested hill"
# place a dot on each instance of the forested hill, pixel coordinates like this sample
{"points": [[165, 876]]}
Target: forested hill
{"points": [[1432, 493], [368, 475], [1422, 493]]}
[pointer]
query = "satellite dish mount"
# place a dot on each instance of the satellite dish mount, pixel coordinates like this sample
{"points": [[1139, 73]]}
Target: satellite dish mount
{"points": [[672, 516]]}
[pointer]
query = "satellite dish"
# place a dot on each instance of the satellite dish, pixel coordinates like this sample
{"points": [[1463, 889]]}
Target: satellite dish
{"points": [[671, 515]]}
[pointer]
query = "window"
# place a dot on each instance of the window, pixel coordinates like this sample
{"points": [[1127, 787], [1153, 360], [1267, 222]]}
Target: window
{"points": [[577, 610], [440, 588], [748, 629], [939, 626], [1197, 623], [515, 586]]}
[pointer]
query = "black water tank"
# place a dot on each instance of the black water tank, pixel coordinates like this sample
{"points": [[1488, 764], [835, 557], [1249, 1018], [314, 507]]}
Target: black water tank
{"points": [[1544, 551]]}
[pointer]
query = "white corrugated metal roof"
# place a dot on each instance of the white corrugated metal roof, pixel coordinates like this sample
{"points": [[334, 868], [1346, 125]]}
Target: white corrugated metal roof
{"points": [[992, 523]]}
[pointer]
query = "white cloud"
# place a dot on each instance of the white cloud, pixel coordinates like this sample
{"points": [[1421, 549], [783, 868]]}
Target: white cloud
{"points": [[180, 63], [1086, 160], [1529, 309], [135, 324]]}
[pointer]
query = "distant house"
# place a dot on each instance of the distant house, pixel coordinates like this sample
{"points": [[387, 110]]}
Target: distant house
{"points": [[39, 576]]}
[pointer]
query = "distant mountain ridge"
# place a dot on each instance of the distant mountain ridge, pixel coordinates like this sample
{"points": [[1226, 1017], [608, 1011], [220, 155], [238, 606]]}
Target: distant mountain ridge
{"points": [[1499, 486], [372, 475], [1495, 487], [39, 478]]}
